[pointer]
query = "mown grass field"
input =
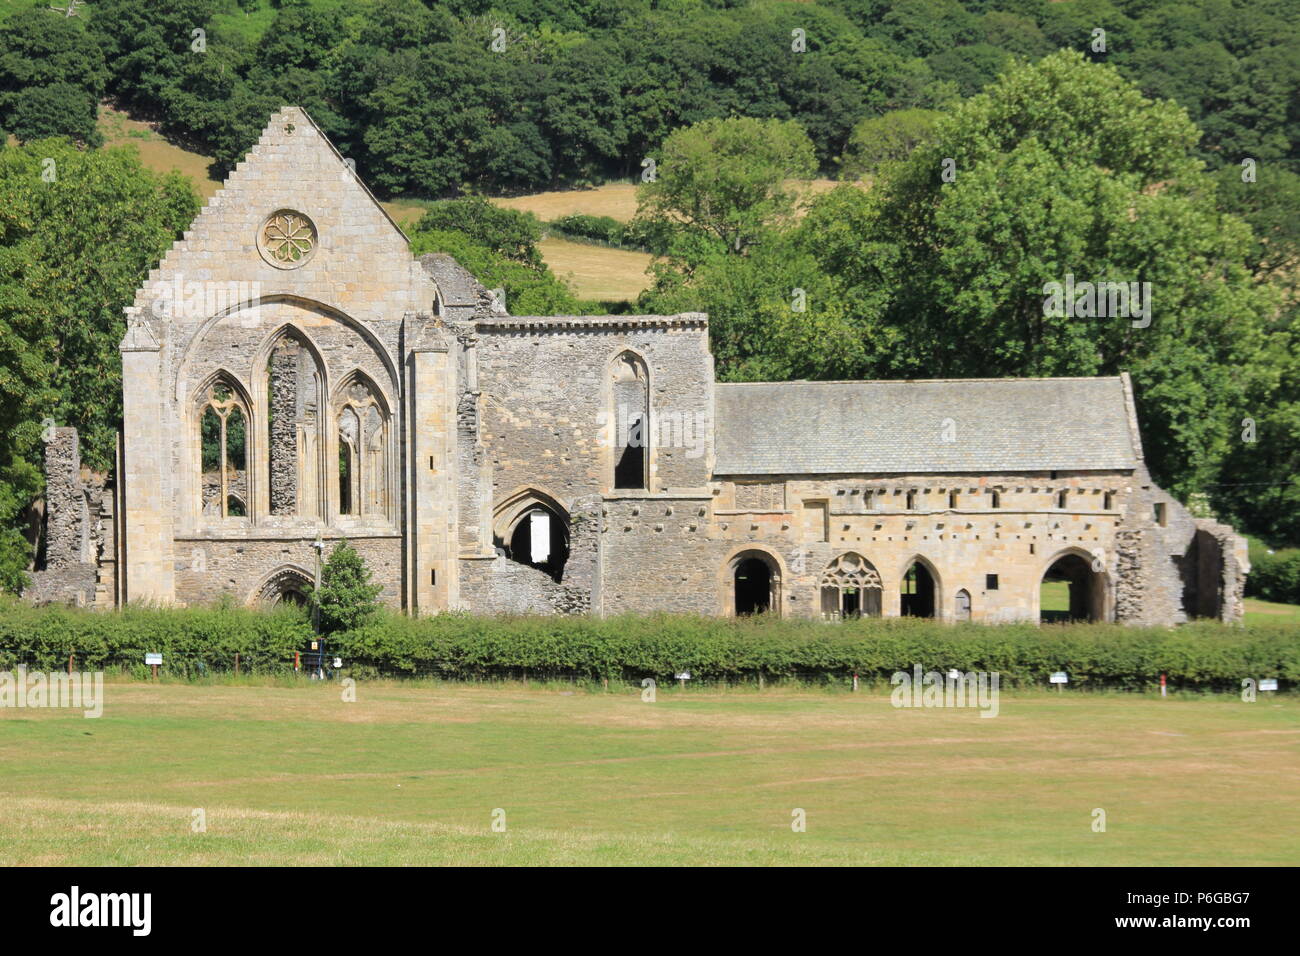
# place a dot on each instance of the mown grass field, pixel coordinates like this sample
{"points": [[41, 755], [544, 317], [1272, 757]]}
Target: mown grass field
{"points": [[411, 773]]}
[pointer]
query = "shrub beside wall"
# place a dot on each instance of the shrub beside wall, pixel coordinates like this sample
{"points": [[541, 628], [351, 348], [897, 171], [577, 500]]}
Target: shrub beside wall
{"points": [[460, 646], [1275, 577]]}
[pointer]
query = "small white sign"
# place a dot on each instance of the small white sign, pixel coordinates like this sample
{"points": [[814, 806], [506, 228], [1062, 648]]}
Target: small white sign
{"points": [[1268, 683], [684, 675], [153, 658], [954, 674], [1059, 677]]}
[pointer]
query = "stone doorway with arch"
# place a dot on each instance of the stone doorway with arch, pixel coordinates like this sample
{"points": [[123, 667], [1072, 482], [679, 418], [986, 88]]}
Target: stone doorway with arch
{"points": [[918, 590], [961, 605], [287, 585], [752, 583], [1071, 589]]}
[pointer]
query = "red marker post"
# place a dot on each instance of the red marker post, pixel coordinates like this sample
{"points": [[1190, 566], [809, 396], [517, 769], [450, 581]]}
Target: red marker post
{"points": [[1163, 692]]}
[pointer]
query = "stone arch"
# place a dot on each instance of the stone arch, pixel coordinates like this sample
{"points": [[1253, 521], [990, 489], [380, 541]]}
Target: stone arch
{"points": [[365, 468], [629, 420], [193, 480], [736, 570], [193, 347], [294, 442], [1090, 591], [850, 587], [925, 599], [514, 529], [289, 581]]}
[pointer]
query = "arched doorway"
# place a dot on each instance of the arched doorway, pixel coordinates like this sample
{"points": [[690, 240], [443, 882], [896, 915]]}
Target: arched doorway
{"points": [[961, 606], [753, 587], [288, 585], [750, 583], [917, 591], [1072, 591]]}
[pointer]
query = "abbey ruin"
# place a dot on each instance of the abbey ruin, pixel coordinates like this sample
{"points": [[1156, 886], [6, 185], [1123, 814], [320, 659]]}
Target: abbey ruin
{"points": [[340, 388]]}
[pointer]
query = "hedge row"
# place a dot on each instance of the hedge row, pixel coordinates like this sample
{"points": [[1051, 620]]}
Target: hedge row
{"points": [[1275, 577], [459, 646], [608, 231]]}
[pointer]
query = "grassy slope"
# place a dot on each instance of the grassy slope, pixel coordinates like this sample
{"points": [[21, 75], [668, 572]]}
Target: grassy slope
{"points": [[411, 774], [594, 272]]}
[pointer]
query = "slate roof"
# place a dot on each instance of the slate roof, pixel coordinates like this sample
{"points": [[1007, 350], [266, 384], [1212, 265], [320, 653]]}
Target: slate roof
{"points": [[999, 425]]}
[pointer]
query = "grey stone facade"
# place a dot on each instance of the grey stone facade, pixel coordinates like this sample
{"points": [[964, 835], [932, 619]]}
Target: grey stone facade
{"points": [[578, 464]]}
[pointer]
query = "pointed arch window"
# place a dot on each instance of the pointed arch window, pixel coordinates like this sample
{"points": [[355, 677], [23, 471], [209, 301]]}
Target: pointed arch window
{"points": [[850, 588], [295, 386], [223, 453], [365, 465], [630, 417]]}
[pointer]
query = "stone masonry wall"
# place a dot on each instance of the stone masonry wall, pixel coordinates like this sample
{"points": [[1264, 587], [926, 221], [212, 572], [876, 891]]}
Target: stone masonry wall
{"points": [[79, 565]]}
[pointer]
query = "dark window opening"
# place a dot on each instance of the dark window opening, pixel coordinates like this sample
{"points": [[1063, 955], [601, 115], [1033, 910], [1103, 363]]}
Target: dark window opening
{"points": [[1061, 499], [990, 582], [345, 479], [911, 501], [1108, 502], [995, 500], [952, 499], [629, 472]]}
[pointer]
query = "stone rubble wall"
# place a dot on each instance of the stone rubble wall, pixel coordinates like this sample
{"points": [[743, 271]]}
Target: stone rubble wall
{"points": [[79, 564]]}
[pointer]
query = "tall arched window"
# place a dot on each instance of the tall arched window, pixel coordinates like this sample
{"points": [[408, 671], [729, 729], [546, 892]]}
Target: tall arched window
{"points": [[295, 385], [365, 481], [223, 453], [630, 419]]}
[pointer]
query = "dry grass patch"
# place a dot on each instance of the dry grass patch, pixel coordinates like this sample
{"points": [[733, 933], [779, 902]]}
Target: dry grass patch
{"points": [[411, 773]]}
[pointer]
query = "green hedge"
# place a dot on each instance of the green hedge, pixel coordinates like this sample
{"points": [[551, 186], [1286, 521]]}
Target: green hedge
{"points": [[1275, 577], [460, 646]]}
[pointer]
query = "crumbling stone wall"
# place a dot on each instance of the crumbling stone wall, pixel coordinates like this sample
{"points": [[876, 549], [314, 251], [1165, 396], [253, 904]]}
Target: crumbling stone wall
{"points": [[78, 564], [1130, 581], [1223, 564]]}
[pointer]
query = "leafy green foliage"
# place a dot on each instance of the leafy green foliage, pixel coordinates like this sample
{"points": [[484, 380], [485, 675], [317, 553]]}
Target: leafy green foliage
{"points": [[52, 74], [1276, 577], [499, 247], [459, 646], [1062, 167], [887, 139], [726, 179], [505, 232], [346, 598], [61, 298]]}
